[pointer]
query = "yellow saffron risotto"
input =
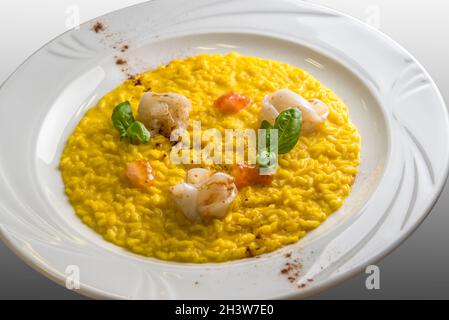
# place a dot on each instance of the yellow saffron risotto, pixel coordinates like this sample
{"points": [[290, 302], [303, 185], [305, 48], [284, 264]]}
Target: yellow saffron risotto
{"points": [[311, 182]]}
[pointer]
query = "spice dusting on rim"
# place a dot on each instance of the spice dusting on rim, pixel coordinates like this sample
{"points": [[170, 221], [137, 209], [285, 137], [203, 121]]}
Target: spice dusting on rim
{"points": [[120, 61], [98, 27], [115, 42], [292, 270]]}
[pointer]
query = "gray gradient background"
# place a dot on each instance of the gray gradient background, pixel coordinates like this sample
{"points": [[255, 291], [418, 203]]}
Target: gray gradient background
{"points": [[416, 270]]}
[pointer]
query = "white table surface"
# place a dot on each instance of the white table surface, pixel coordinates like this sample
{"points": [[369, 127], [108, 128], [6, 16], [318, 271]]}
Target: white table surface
{"points": [[418, 269]]}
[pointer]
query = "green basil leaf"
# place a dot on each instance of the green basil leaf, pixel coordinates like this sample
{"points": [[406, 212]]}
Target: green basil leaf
{"points": [[267, 159], [288, 124], [122, 118], [265, 125], [138, 133]]}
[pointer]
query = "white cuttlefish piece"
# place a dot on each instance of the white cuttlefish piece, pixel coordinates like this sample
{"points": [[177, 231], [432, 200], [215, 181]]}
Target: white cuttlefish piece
{"points": [[314, 112], [204, 195], [163, 113]]}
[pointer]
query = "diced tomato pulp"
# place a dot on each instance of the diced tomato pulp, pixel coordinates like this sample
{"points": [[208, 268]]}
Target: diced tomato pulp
{"points": [[232, 102], [140, 173], [245, 175]]}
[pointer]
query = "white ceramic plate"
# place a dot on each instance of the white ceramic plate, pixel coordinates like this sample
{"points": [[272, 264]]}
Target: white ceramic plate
{"points": [[392, 100]]}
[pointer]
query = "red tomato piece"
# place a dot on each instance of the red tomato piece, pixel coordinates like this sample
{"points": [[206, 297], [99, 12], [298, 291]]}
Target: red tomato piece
{"points": [[245, 175], [140, 173], [232, 102]]}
